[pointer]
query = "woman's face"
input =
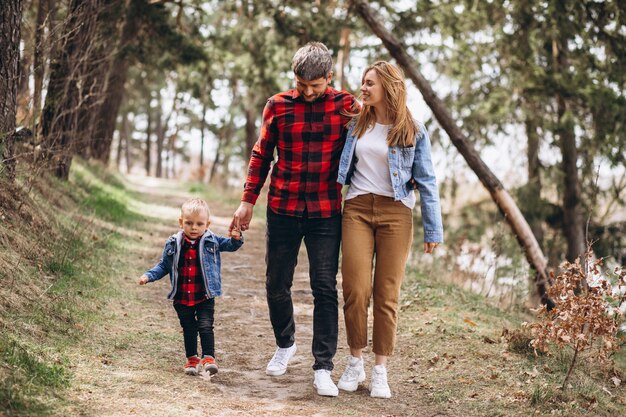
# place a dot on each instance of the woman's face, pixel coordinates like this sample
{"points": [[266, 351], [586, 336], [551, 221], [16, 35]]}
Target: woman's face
{"points": [[372, 90]]}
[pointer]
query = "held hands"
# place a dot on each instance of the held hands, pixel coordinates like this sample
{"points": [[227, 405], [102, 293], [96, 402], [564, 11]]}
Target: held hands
{"points": [[241, 218], [143, 280], [430, 246], [235, 233]]}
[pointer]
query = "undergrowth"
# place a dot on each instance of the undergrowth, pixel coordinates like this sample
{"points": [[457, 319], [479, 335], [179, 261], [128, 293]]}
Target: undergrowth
{"points": [[54, 279]]}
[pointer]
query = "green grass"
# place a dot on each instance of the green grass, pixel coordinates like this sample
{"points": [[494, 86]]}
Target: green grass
{"points": [[69, 282], [105, 196]]}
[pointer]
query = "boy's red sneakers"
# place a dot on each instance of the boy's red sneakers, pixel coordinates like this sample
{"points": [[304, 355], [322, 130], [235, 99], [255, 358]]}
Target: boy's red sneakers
{"points": [[191, 367], [209, 365]]}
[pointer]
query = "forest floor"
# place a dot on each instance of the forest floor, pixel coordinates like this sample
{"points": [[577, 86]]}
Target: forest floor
{"points": [[450, 359]]}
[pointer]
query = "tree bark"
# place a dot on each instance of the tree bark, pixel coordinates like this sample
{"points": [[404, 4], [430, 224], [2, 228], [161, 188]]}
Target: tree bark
{"points": [[24, 114], [148, 137], [123, 142], [39, 59], [500, 196], [343, 57], [160, 133], [114, 93], [251, 132], [573, 228], [60, 113], [128, 146], [202, 131], [10, 20]]}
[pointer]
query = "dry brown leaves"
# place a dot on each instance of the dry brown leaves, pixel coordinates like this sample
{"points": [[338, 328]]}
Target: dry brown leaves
{"points": [[589, 310]]}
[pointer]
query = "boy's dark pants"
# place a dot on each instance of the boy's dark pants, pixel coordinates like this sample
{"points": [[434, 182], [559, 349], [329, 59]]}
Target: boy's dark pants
{"points": [[322, 238], [197, 319]]}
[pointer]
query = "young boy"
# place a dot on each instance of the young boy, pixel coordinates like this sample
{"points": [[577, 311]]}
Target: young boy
{"points": [[192, 259]]}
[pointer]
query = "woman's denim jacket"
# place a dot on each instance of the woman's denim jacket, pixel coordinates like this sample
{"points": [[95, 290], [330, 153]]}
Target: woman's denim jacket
{"points": [[410, 168], [210, 247]]}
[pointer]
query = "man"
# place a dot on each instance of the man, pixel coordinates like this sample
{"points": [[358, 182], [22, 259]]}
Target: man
{"points": [[306, 126]]}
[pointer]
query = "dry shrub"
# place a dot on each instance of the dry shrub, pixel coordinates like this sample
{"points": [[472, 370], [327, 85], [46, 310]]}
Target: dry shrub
{"points": [[518, 341], [588, 312]]}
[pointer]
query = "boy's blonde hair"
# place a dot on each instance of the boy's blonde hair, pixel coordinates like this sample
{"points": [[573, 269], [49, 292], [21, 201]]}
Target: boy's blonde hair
{"points": [[195, 205]]}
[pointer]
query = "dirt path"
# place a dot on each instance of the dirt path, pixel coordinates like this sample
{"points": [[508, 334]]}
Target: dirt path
{"points": [[131, 364]]}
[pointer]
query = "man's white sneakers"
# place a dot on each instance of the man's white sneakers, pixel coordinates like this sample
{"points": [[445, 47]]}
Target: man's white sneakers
{"points": [[379, 387], [353, 375], [324, 384], [278, 365]]}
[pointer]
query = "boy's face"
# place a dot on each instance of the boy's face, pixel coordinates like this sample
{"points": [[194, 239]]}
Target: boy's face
{"points": [[194, 224]]}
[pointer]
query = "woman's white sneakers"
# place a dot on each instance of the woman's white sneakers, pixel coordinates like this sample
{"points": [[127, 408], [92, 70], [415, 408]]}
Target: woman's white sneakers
{"points": [[379, 387], [353, 375]]}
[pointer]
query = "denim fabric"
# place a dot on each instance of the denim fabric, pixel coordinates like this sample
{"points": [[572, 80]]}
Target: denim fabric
{"points": [[406, 164], [322, 238], [194, 320], [209, 249]]}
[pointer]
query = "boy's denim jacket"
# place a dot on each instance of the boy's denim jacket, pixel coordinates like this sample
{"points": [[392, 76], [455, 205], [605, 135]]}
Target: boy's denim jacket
{"points": [[209, 247], [410, 168]]}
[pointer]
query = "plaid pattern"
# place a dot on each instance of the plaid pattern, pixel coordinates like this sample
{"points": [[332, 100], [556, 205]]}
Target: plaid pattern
{"points": [[308, 138], [190, 286]]}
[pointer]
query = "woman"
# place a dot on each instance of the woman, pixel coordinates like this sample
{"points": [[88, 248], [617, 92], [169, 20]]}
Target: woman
{"points": [[386, 156]]}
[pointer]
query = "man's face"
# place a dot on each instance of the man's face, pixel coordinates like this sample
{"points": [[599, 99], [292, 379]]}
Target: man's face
{"points": [[312, 89]]}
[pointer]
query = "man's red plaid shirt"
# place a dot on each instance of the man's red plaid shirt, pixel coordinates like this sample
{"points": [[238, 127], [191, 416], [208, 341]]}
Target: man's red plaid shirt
{"points": [[309, 138]]}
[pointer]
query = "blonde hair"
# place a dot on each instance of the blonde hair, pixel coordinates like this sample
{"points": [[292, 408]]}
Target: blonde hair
{"points": [[403, 127], [195, 205]]}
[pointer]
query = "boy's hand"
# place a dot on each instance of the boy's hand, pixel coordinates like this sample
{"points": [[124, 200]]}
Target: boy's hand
{"points": [[143, 280], [235, 234]]}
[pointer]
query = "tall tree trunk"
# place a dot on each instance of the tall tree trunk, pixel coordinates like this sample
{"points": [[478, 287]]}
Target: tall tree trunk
{"points": [[24, 114], [128, 146], [60, 113], [39, 59], [160, 133], [501, 197], [202, 131], [123, 141], [162, 126], [343, 57], [573, 228], [114, 93], [171, 146], [251, 132], [10, 19], [148, 138], [534, 175]]}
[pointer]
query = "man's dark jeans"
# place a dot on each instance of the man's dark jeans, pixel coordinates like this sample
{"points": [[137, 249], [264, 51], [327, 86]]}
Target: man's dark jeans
{"points": [[322, 238], [197, 319]]}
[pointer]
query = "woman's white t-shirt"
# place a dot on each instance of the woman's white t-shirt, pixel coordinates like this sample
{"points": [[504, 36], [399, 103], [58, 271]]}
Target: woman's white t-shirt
{"points": [[371, 173]]}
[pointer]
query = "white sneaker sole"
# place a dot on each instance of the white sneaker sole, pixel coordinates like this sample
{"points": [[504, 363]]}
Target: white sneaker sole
{"points": [[351, 386], [327, 392], [380, 394], [279, 372], [191, 371]]}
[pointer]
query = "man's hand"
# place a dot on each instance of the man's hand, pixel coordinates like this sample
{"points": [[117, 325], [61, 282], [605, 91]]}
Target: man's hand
{"points": [[429, 247], [143, 280], [242, 217]]}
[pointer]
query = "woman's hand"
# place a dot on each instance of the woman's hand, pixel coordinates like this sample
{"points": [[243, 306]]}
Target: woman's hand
{"points": [[430, 246]]}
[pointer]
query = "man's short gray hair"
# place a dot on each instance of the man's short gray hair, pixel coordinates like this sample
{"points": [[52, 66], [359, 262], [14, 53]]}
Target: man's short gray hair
{"points": [[312, 61]]}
